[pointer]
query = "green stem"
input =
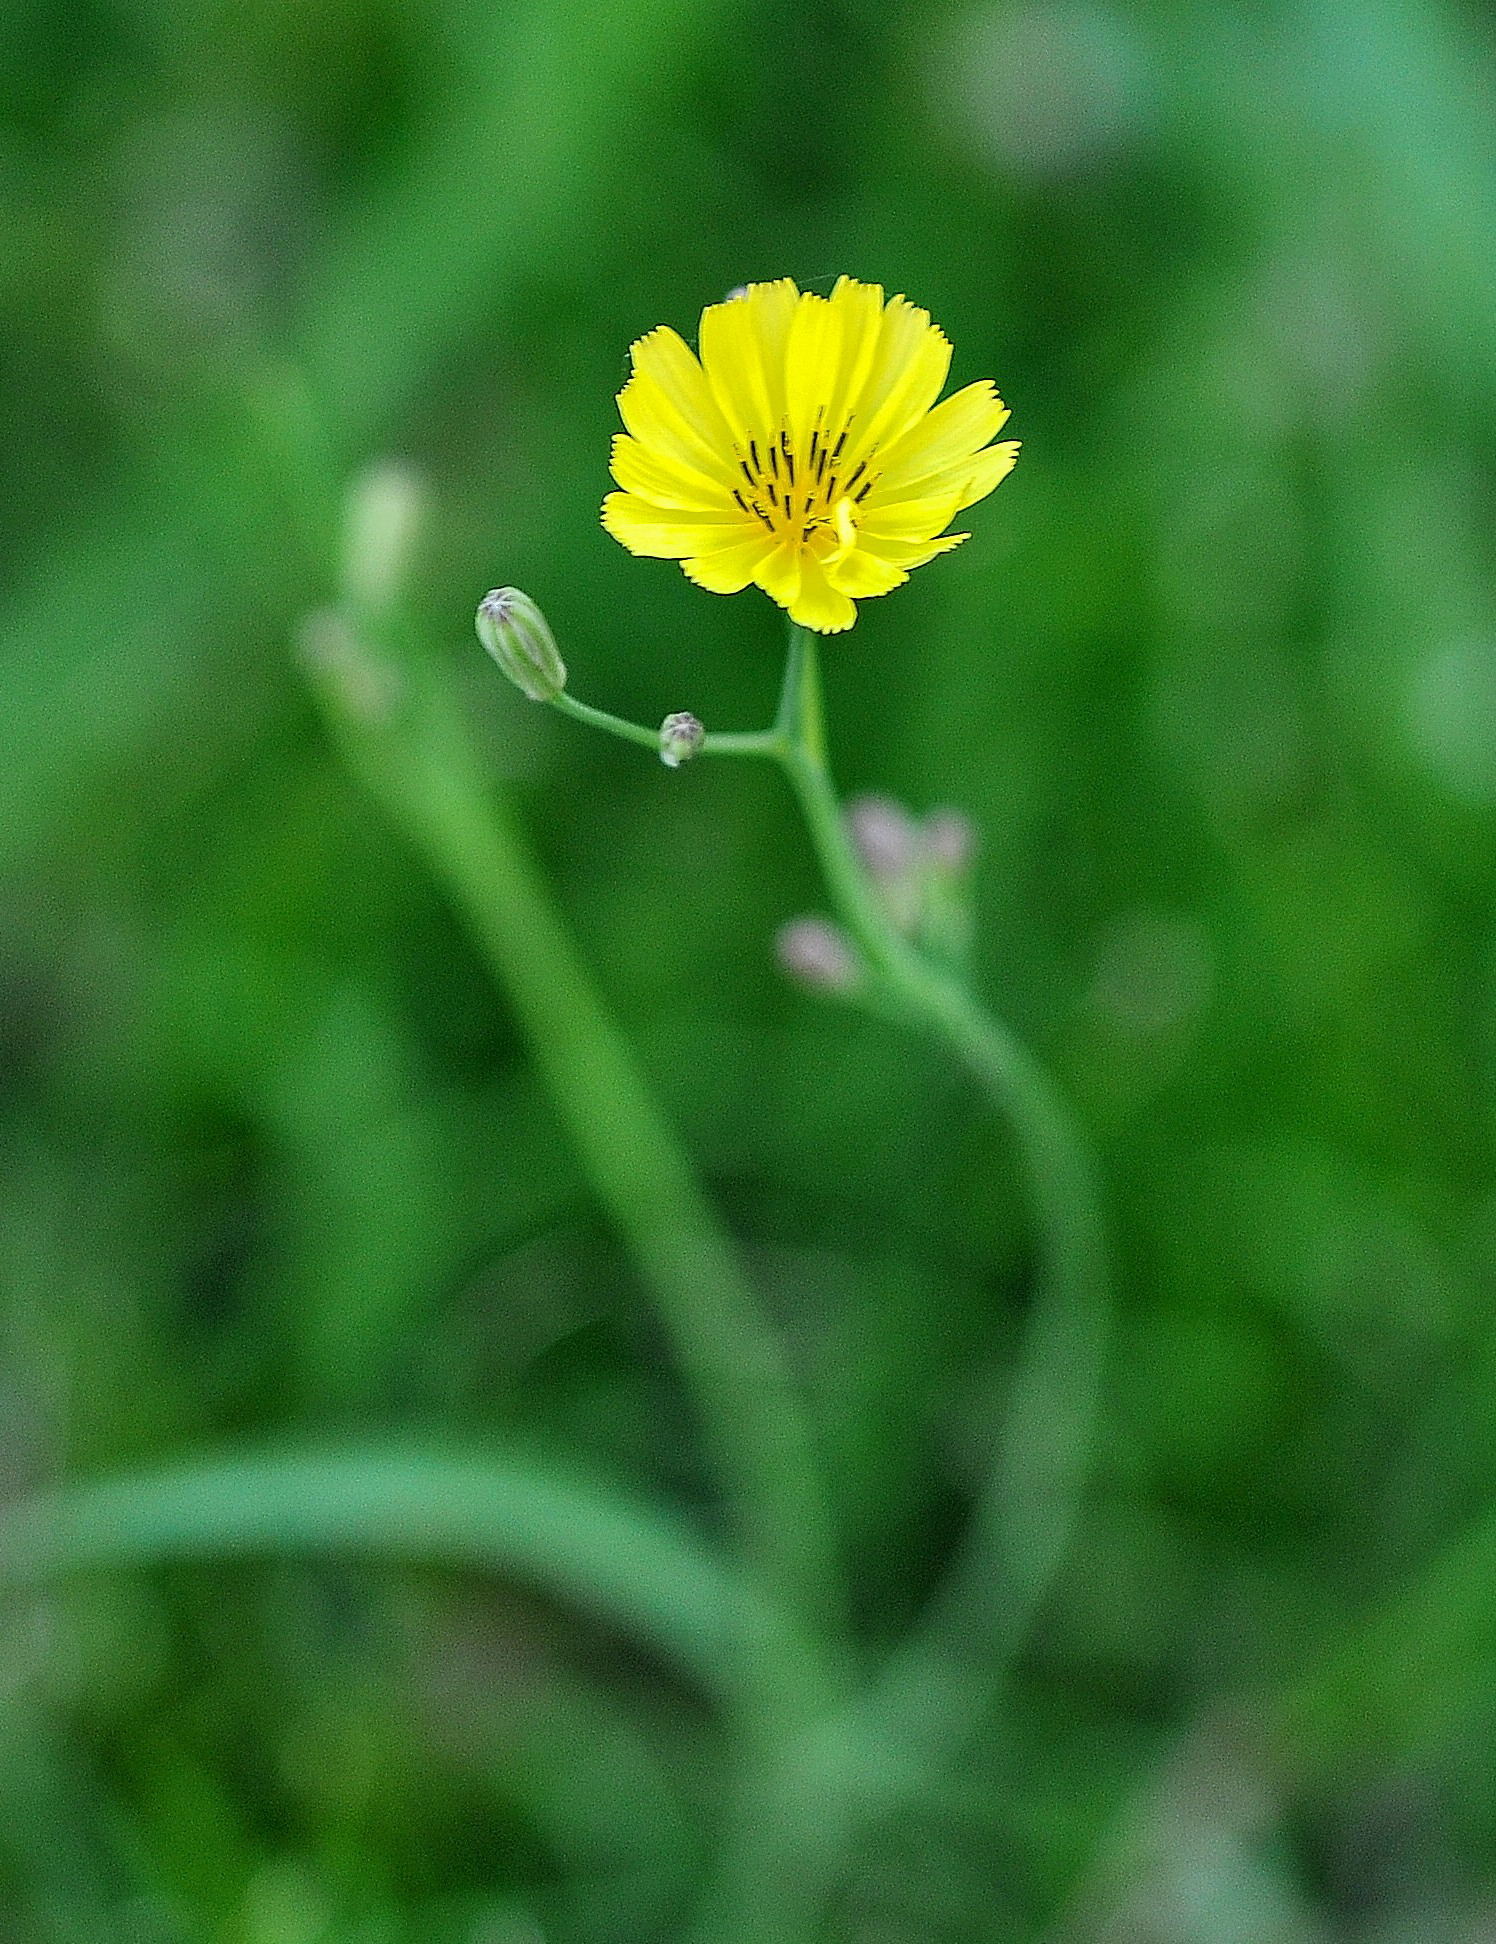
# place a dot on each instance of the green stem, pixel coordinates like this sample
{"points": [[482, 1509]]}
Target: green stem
{"points": [[633, 732], [743, 742], [798, 1817], [402, 732], [728, 742], [1022, 1523]]}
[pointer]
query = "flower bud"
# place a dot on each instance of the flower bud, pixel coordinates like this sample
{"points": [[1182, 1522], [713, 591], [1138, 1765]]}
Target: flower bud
{"points": [[681, 735], [818, 954], [886, 836], [515, 633], [950, 841]]}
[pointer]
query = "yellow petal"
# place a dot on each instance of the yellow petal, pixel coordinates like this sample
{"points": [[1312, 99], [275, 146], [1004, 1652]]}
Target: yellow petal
{"points": [[780, 575], [812, 355], [664, 533], [664, 481], [862, 574], [818, 604], [988, 470], [667, 407], [728, 570], [916, 519], [860, 308], [963, 483], [957, 428], [742, 353], [909, 553], [908, 369]]}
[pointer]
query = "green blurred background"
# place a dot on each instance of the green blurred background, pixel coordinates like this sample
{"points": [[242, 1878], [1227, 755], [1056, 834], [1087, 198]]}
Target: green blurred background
{"points": [[1216, 677]]}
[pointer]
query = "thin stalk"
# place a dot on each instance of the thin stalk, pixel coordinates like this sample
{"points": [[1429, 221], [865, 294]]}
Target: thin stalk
{"points": [[798, 1816], [743, 742], [405, 737], [1022, 1522], [726, 742], [633, 732]]}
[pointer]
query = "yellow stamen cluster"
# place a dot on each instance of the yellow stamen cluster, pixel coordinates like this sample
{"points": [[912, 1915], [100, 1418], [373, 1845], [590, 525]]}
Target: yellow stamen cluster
{"points": [[803, 451]]}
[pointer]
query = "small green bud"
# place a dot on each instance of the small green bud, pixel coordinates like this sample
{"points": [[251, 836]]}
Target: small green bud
{"points": [[516, 634], [681, 735]]}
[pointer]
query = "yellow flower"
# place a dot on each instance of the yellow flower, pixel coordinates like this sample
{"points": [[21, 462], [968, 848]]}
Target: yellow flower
{"points": [[804, 452]]}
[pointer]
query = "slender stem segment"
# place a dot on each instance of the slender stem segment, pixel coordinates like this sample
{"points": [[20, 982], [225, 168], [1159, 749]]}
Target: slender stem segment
{"points": [[633, 732], [1022, 1523], [783, 1853], [790, 1836]]}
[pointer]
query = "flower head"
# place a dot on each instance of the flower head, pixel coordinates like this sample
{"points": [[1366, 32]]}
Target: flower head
{"points": [[803, 451]]}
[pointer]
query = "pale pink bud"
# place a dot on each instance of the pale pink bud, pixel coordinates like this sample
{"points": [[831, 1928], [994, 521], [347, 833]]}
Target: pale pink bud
{"points": [[818, 954], [950, 840], [886, 836], [681, 735]]}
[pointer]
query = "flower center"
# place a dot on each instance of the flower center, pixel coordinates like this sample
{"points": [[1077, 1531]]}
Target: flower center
{"points": [[797, 495]]}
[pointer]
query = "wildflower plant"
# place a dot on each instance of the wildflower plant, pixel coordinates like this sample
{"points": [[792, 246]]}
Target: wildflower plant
{"points": [[802, 451]]}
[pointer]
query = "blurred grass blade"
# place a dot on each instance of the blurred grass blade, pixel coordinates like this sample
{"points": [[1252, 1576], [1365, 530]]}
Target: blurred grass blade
{"points": [[621, 1565]]}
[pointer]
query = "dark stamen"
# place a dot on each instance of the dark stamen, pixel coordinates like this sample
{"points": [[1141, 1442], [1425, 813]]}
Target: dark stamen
{"points": [[739, 498], [774, 459], [837, 449], [750, 477], [863, 491], [757, 462]]}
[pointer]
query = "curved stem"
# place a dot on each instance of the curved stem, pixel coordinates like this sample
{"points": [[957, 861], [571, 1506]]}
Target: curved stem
{"points": [[634, 732], [1022, 1522], [624, 1565], [799, 1813]]}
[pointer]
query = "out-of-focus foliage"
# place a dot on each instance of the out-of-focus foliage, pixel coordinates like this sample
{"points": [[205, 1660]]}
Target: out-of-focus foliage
{"points": [[1216, 677]]}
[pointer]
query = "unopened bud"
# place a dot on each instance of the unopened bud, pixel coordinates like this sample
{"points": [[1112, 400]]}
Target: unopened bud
{"points": [[886, 836], [515, 633], [818, 954], [950, 841], [681, 735]]}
